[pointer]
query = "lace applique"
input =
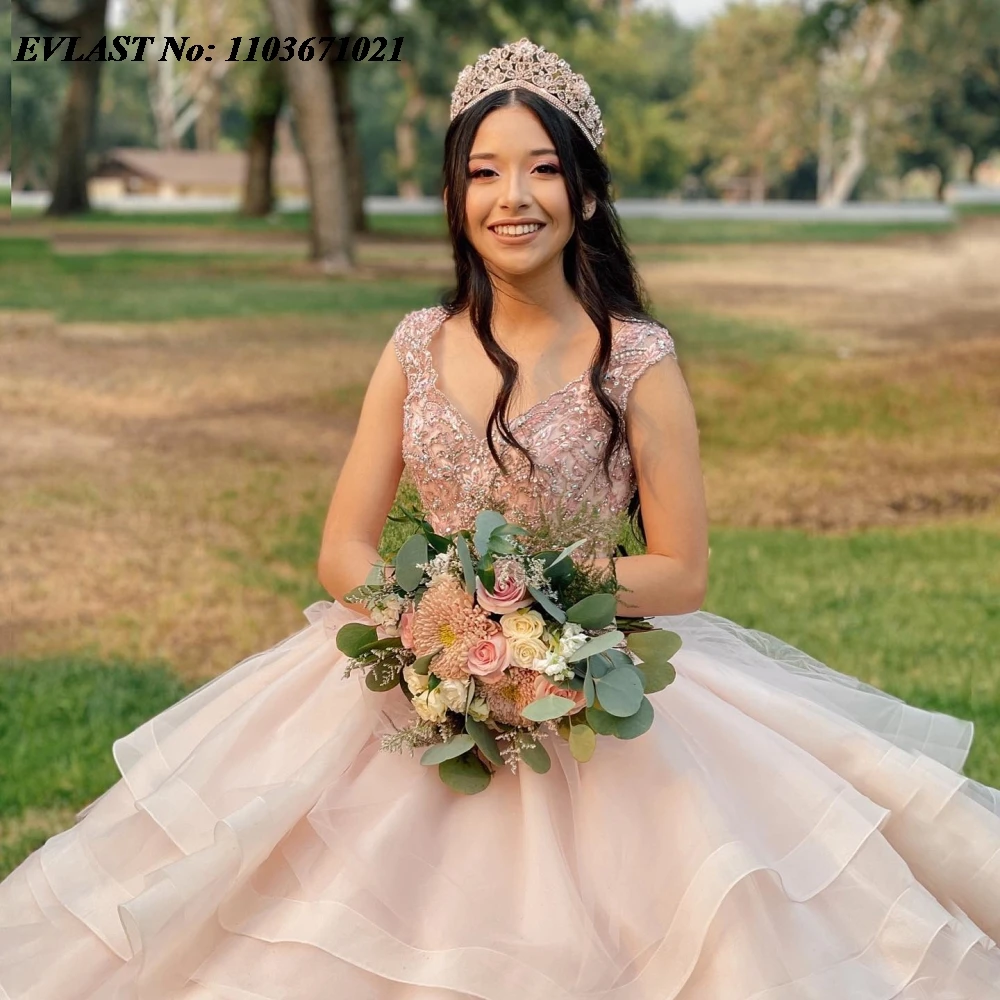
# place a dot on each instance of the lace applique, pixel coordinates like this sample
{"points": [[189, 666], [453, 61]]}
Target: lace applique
{"points": [[456, 476]]}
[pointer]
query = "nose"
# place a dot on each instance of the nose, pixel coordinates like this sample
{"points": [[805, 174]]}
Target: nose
{"points": [[515, 196]]}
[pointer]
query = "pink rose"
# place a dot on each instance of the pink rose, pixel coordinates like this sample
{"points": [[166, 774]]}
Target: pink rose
{"points": [[544, 687], [488, 658], [406, 629], [509, 593]]}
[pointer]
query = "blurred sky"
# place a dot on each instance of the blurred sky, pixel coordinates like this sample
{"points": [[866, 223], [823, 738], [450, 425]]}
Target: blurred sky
{"points": [[689, 11]]}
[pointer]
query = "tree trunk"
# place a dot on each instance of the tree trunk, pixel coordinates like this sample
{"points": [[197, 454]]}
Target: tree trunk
{"points": [[163, 82], [310, 92], [348, 127], [258, 191], [847, 174], [346, 120], [79, 116], [825, 147], [407, 181]]}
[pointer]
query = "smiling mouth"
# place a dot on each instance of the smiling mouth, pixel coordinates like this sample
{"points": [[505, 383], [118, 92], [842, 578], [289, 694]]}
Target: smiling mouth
{"points": [[522, 229]]}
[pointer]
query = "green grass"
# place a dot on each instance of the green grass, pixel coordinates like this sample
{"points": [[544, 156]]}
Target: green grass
{"points": [[639, 231], [133, 287], [58, 719]]}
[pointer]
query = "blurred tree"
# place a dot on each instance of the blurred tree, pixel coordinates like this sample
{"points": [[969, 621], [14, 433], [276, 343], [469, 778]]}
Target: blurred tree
{"points": [[84, 18], [751, 108], [5, 88], [313, 100], [268, 99], [638, 65], [852, 42], [948, 83]]}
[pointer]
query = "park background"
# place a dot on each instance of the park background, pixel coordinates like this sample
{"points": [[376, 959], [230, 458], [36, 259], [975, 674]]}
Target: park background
{"points": [[185, 343]]}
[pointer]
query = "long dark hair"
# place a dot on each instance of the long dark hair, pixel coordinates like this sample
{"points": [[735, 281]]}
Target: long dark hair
{"points": [[596, 261]]}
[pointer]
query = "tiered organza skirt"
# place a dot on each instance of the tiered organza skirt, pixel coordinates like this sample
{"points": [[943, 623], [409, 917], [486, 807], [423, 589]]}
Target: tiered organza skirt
{"points": [[783, 832]]}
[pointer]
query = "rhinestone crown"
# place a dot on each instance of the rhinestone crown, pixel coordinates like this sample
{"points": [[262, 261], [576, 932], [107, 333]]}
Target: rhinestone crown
{"points": [[525, 64]]}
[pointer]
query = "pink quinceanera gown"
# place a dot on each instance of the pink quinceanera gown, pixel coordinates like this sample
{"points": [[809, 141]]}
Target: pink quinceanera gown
{"points": [[783, 832]]}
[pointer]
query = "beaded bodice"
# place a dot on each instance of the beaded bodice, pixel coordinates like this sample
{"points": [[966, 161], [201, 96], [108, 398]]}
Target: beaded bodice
{"points": [[456, 476]]}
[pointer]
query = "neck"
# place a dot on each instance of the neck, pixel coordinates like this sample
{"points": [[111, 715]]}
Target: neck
{"points": [[534, 306]]}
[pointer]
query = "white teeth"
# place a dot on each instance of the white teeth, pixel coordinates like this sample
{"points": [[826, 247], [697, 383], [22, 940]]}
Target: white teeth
{"points": [[530, 227]]}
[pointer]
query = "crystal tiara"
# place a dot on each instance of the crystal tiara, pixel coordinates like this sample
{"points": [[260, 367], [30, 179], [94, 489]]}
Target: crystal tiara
{"points": [[524, 64]]}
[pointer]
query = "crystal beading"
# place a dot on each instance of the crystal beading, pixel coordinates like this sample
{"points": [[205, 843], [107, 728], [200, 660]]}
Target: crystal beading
{"points": [[529, 66]]}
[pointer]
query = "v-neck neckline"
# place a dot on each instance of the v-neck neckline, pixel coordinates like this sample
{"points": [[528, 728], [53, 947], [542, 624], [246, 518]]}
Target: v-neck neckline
{"points": [[516, 421]]}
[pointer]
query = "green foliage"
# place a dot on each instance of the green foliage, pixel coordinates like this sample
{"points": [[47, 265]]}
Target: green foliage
{"points": [[466, 774], [552, 706], [455, 747]]}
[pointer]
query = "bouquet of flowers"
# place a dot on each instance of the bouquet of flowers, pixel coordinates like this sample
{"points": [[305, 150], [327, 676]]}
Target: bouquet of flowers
{"points": [[498, 647]]}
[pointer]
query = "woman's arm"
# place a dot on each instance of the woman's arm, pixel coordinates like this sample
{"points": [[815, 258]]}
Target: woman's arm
{"points": [[367, 484], [672, 576]]}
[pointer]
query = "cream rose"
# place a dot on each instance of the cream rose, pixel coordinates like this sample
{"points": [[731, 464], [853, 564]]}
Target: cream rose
{"points": [[479, 710], [417, 683], [522, 624], [524, 652], [431, 705], [455, 694]]}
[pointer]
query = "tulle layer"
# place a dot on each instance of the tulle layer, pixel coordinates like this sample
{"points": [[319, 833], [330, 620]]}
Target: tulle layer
{"points": [[782, 832]]}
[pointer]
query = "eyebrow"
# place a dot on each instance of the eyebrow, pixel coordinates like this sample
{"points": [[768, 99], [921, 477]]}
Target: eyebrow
{"points": [[493, 156]]}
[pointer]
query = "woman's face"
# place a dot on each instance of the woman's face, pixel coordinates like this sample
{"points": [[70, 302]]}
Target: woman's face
{"points": [[517, 211]]}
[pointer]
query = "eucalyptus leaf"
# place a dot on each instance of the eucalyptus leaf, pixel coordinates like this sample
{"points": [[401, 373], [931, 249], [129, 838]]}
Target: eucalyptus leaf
{"points": [[381, 678], [589, 690], [566, 551], [391, 642], [422, 664], [558, 572], [635, 725], [657, 644], [437, 543], [619, 692], [465, 558], [552, 706], [656, 676], [455, 747], [375, 577], [625, 729], [354, 637], [466, 774], [594, 611], [598, 665], [534, 755], [546, 602], [619, 658], [597, 645], [411, 554], [582, 742], [563, 727], [486, 573], [500, 545], [486, 521], [600, 721], [485, 740]]}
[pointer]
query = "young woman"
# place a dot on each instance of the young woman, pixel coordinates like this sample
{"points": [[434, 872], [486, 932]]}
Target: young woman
{"points": [[781, 832]]}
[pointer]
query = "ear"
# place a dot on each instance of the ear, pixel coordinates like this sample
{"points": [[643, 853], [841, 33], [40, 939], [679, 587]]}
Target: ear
{"points": [[589, 206]]}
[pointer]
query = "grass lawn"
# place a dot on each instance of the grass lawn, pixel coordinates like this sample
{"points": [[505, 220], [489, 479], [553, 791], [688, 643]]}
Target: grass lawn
{"points": [[910, 608], [433, 227]]}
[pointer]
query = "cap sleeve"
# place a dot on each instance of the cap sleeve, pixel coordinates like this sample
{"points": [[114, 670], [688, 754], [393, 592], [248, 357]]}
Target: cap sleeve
{"points": [[410, 341], [640, 345]]}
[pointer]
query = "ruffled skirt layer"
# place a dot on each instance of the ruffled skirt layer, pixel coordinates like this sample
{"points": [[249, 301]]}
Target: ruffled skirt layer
{"points": [[782, 832]]}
